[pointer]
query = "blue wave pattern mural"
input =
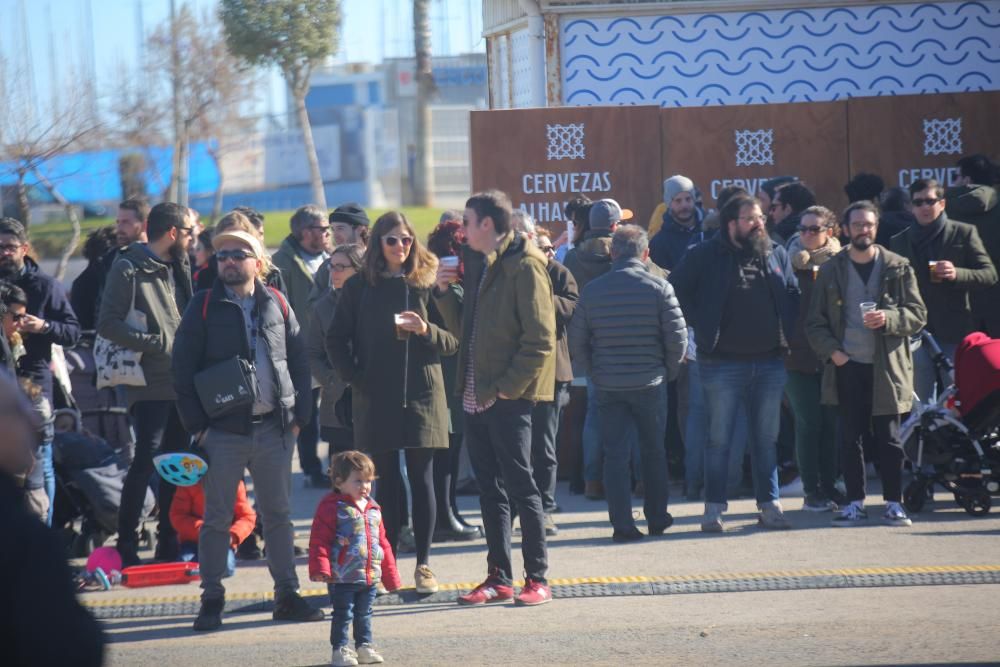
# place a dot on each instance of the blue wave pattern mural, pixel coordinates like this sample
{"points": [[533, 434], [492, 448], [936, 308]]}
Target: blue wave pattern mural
{"points": [[782, 56]]}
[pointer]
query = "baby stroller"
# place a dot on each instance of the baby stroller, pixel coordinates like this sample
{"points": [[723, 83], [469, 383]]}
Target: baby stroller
{"points": [[955, 441], [89, 481]]}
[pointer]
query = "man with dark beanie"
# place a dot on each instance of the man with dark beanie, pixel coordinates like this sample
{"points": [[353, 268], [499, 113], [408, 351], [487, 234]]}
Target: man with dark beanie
{"points": [[349, 224]]}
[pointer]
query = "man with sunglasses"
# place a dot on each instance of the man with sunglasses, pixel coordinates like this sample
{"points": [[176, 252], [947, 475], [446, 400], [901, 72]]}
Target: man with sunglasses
{"points": [[50, 319], [156, 278], [300, 256], [789, 202], [242, 318], [950, 261]]}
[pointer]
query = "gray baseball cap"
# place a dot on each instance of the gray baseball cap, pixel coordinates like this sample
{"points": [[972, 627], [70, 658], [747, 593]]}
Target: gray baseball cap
{"points": [[606, 212]]}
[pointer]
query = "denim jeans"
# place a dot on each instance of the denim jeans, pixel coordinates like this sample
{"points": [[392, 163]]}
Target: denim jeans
{"points": [[189, 554], [49, 474], [351, 603], [646, 410], [593, 453], [544, 428], [696, 434], [499, 442], [759, 386]]}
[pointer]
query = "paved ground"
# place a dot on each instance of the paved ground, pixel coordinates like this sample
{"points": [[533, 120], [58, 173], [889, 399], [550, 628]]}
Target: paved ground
{"points": [[913, 625]]}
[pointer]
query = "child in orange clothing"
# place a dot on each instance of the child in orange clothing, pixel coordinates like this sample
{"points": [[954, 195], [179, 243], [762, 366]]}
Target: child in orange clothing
{"points": [[187, 514], [349, 551]]}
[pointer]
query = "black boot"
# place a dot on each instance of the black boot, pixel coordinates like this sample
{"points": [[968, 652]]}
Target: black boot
{"points": [[248, 549], [451, 529], [210, 615]]}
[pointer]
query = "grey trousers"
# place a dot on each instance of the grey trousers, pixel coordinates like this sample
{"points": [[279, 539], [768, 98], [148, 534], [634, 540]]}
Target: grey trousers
{"points": [[267, 453]]}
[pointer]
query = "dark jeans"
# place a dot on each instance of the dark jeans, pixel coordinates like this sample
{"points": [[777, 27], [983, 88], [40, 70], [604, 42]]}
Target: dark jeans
{"points": [[647, 410], [351, 602], [309, 440], [157, 429], [855, 383], [544, 427], [499, 442], [339, 439]]}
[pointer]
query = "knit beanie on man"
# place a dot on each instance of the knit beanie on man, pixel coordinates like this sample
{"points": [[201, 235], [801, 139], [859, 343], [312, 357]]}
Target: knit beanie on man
{"points": [[675, 185]]}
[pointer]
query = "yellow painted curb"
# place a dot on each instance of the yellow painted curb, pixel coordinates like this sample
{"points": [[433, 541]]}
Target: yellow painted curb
{"points": [[578, 581]]}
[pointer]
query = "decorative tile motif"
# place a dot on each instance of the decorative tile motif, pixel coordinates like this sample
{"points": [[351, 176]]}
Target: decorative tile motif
{"points": [[754, 147], [565, 142], [796, 55], [942, 136]]}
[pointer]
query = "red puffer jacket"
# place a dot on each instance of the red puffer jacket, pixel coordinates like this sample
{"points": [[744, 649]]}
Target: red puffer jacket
{"points": [[187, 513], [348, 545]]}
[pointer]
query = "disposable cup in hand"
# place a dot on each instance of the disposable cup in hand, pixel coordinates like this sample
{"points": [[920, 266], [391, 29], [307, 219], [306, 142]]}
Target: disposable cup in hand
{"points": [[867, 307], [401, 333], [451, 262]]}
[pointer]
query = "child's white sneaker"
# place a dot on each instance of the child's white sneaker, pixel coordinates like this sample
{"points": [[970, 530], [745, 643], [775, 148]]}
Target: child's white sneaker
{"points": [[343, 657], [367, 655]]}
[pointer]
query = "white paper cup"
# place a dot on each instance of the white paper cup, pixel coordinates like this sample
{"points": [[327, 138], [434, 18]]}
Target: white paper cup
{"points": [[451, 261], [867, 307]]}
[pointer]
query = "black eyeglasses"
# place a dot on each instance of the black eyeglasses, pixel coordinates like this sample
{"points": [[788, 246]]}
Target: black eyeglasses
{"points": [[10, 247], [187, 230], [815, 229], [322, 229], [925, 202], [337, 268], [236, 255], [393, 240], [17, 317]]}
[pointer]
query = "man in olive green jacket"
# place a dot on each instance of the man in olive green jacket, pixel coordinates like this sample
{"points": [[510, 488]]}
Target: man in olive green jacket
{"points": [[864, 308], [158, 275], [300, 257], [506, 363]]}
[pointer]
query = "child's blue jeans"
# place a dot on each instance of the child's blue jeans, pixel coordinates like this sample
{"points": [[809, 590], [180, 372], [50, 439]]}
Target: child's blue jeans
{"points": [[189, 553], [351, 602]]}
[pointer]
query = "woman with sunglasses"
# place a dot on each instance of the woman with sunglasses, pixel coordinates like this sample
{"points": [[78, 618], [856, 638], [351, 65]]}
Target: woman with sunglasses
{"points": [[387, 340], [815, 424], [335, 411]]}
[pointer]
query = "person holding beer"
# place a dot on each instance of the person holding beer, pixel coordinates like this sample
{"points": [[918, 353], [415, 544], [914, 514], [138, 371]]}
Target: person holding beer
{"points": [[387, 340]]}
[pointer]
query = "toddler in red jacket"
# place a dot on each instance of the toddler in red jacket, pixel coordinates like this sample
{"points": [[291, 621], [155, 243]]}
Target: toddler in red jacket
{"points": [[187, 514], [348, 550]]}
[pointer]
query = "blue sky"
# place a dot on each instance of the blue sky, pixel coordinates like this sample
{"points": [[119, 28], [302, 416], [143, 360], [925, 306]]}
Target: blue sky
{"points": [[456, 26]]}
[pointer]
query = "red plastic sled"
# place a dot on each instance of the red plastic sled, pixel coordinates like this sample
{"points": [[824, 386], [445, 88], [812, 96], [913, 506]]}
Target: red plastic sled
{"points": [[160, 574]]}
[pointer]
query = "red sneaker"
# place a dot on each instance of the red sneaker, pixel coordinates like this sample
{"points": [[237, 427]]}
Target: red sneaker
{"points": [[487, 592], [533, 593]]}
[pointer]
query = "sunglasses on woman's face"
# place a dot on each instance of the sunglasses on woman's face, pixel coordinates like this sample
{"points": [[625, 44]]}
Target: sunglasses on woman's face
{"points": [[815, 229], [338, 268], [391, 241]]}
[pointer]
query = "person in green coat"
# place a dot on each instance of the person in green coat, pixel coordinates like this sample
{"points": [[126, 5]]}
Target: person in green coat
{"points": [[387, 340], [864, 307]]}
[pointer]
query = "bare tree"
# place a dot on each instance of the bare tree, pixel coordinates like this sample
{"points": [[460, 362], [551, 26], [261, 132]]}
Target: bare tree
{"points": [[213, 86], [28, 141]]}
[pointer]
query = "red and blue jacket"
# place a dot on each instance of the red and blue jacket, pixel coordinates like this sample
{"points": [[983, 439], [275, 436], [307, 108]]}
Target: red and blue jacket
{"points": [[348, 545]]}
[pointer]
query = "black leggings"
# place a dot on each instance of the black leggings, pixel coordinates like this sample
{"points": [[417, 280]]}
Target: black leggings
{"points": [[390, 493], [445, 473]]}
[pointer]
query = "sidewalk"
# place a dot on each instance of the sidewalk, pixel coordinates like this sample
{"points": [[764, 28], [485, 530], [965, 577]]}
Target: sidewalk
{"points": [[943, 539]]}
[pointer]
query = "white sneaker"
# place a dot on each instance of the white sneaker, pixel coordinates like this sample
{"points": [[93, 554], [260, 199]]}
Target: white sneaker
{"points": [[343, 657], [851, 516], [367, 655], [895, 515]]}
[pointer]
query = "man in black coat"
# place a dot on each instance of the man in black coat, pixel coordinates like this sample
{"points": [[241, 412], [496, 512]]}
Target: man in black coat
{"points": [[241, 318], [50, 319], [950, 262]]}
